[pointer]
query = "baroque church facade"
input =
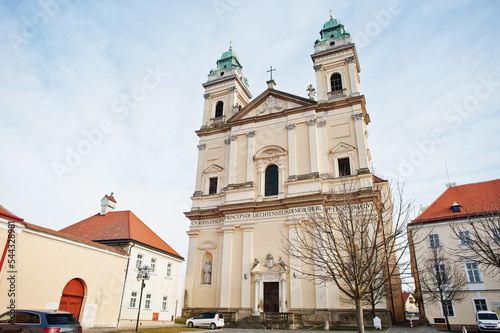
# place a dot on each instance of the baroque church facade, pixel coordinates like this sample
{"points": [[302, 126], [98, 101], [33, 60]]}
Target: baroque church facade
{"points": [[263, 164]]}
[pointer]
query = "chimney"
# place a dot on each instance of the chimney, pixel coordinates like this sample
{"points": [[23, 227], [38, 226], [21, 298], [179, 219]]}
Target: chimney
{"points": [[107, 204], [448, 185]]}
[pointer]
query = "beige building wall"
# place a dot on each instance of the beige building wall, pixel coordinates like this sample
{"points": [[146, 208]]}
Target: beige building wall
{"points": [[45, 263], [487, 289]]}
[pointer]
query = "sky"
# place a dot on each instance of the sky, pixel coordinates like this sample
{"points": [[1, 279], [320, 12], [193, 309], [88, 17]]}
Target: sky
{"points": [[104, 96]]}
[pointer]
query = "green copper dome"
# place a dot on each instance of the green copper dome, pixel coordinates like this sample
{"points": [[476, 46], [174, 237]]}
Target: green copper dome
{"points": [[332, 29], [228, 60]]}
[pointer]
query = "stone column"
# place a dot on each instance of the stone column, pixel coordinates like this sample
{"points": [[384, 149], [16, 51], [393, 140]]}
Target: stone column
{"points": [[191, 267], [250, 152], [225, 291], [361, 141], [295, 281], [219, 267], [207, 109], [292, 164], [261, 180], [256, 293], [226, 162], [199, 170], [281, 181], [232, 101], [313, 146], [321, 286], [352, 76], [322, 143], [283, 302], [232, 159], [246, 266]]}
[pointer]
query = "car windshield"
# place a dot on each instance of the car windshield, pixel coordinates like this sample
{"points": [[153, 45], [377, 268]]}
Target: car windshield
{"points": [[61, 319], [487, 316]]}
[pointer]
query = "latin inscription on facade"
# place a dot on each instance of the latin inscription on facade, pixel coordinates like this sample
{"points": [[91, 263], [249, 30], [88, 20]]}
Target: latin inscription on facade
{"points": [[277, 213]]}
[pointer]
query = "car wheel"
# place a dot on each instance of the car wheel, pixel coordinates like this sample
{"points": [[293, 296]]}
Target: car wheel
{"points": [[190, 324], [213, 326]]}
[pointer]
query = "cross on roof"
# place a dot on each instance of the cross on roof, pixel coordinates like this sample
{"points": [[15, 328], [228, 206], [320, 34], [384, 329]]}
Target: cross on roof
{"points": [[271, 71], [331, 11]]}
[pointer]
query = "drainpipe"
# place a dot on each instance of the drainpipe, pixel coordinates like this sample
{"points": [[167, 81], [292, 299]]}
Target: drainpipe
{"points": [[124, 283]]}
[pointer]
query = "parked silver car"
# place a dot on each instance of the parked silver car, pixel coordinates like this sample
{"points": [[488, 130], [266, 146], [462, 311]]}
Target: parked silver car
{"points": [[206, 319], [39, 321]]}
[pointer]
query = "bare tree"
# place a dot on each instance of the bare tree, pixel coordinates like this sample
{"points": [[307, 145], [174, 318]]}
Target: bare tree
{"points": [[375, 296], [356, 241], [479, 236], [442, 282]]}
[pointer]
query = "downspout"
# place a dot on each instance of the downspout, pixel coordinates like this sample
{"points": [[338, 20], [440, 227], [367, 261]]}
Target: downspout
{"points": [[124, 283]]}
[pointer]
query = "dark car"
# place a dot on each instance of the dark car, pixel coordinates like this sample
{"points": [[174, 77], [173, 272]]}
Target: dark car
{"points": [[39, 321], [206, 319]]}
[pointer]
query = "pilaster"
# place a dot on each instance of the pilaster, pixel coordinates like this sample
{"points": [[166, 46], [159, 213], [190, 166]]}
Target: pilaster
{"points": [[190, 267], [232, 159], [313, 146], [250, 153], [199, 169], [246, 266], [361, 141], [292, 164], [225, 289]]}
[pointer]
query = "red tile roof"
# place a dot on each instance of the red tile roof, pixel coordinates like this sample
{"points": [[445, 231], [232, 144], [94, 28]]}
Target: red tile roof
{"points": [[405, 297], [378, 179], [122, 225], [474, 199], [8, 215]]}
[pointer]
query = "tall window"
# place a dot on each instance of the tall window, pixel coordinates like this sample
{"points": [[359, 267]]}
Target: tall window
{"points": [[133, 299], [153, 265], [434, 241], [147, 303], [272, 175], [464, 237], [480, 304], [212, 189], [473, 274], [440, 274], [164, 303], [169, 269], [344, 167], [448, 307], [336, 82], [218, 109], [138, 263]]}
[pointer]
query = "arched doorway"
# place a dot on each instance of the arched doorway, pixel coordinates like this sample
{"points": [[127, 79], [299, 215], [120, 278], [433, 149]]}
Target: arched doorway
{"points": [[72, 297]]}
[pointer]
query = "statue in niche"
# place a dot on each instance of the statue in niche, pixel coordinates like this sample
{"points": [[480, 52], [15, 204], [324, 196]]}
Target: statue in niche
{"points": [[207, 273]]}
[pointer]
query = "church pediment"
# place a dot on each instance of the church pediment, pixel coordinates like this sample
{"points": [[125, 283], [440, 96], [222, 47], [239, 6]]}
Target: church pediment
{"points": [[342, 147], [214, 168], [271, 102]]}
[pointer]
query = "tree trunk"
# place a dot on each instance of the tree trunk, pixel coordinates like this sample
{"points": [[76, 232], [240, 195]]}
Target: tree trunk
{"points": [[359, 314], [445, 311]]}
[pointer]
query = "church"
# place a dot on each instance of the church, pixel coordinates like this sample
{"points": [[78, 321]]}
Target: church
{"points": [[263, 164]]}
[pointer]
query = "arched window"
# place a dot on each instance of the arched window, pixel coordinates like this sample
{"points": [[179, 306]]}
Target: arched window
{"points": [[336, 82], [218, 109], [272, 175]]}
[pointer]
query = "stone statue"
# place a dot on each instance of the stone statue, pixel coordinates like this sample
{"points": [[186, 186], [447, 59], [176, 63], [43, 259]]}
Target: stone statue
{"points": [[282, 263], [255, 263], [207, 270]]}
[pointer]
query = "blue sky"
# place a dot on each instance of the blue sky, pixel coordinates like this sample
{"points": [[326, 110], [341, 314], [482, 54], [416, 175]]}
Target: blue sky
{"points": [[119, 83]]}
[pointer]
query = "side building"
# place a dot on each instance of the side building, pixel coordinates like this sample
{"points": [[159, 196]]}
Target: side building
{"points": [[125, 231], [432, 235], [48, 269], [263, 164]]}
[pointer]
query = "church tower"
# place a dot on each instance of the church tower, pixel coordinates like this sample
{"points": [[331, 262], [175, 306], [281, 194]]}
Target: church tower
{"points": [[263, 164]]}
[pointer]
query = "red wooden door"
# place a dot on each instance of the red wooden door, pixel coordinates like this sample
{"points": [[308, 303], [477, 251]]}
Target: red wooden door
{"points": [[72, 297]]}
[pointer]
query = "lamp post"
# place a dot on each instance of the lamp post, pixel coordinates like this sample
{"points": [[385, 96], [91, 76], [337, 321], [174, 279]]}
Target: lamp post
{"points": [[141, 276]]}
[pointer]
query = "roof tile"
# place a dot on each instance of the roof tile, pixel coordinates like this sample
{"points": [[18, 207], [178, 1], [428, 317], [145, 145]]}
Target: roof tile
{"points": [[117, 226], [474, 199]]}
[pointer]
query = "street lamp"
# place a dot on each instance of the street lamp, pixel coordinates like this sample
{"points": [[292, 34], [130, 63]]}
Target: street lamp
{"points": [[141, 276]]}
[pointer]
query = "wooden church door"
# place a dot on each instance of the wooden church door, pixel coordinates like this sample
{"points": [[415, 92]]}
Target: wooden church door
{"points": [[72, 297]]}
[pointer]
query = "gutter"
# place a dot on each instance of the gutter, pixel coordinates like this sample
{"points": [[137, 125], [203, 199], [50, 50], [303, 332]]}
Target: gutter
{"points": [[124, 284]]}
